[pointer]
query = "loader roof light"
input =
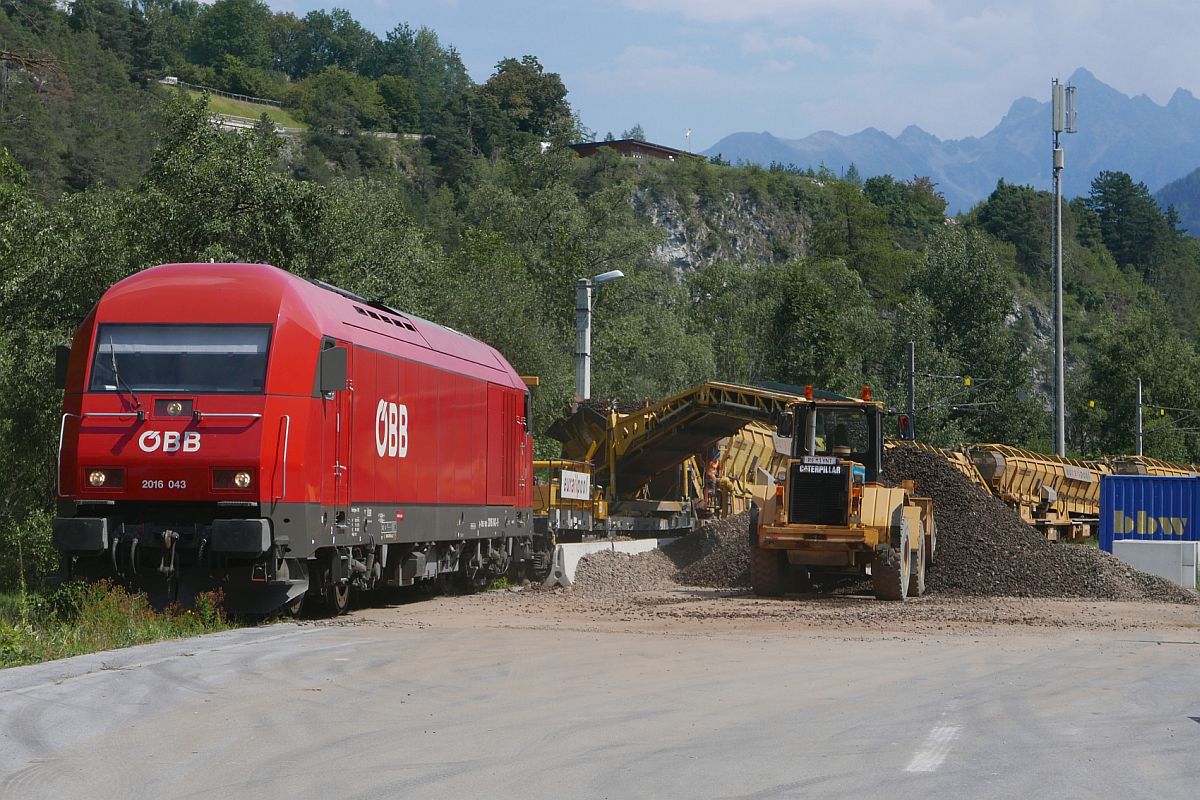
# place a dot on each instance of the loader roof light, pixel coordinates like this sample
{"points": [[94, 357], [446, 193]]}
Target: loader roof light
{"points": [[808, 392]]}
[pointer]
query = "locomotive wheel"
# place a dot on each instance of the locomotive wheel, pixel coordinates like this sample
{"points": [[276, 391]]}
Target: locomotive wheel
{"points": [[339, 598], [294, 608], [768, 571], [890, 581]]}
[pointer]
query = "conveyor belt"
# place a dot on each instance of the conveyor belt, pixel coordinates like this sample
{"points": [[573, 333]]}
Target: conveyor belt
{"points": [[629, 450]]}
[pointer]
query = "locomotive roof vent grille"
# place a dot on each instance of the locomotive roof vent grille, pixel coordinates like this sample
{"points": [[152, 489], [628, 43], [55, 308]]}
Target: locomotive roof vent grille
{"points": [[398, 322]]}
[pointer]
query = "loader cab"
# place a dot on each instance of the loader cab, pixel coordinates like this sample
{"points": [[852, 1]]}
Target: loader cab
{"points": [[849, 430]]}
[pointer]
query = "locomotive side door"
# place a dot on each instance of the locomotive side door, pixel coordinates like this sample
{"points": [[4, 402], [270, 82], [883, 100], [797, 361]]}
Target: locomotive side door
{"points": [[336, 388]]}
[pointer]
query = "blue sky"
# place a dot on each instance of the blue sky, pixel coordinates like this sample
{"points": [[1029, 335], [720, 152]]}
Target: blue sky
{"points": [[794, 67]]}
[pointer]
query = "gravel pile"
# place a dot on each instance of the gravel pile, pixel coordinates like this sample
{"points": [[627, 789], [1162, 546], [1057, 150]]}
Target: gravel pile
{"points": [[724, 561], [984, 549], [606, 572], [716, 556]]}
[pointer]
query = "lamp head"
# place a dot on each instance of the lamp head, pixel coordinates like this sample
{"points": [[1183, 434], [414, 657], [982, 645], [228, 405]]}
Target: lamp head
{"points": [[605, 277]]}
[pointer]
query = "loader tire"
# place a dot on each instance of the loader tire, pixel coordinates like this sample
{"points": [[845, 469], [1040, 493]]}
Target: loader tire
{"points": [[768, 571], [890, 581]]}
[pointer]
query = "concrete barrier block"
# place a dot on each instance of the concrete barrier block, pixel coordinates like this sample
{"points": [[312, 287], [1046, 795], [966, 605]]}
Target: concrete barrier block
{"points": [[1175, 561]]}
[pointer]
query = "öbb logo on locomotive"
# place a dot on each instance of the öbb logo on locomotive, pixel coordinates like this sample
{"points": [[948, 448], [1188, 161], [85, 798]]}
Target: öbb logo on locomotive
{"points": [[391, 429], [169, 441]]}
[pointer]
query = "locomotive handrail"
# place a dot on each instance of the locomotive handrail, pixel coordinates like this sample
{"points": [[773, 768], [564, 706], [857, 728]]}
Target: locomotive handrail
{"points": [[199, 415], [62, 429], [287, 430]]}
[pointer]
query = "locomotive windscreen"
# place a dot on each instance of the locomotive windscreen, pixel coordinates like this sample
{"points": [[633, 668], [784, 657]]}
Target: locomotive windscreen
{"points": [[181, 358]]}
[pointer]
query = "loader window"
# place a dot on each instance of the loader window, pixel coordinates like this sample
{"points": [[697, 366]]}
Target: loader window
{"points": [[843, 433], [181, 358]]}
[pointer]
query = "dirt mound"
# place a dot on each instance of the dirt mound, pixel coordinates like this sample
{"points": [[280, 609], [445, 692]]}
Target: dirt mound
{"points": [[984, 549]]}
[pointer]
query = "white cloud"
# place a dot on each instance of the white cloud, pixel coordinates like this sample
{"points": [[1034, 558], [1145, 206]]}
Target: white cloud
{"points": [[757, 42], [641, 68]]}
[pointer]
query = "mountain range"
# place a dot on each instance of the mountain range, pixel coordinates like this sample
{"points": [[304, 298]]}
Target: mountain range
{"points": [[1155, 144]]}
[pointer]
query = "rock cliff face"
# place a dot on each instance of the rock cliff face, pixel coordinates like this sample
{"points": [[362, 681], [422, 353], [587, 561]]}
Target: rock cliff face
{"points": [[731, 227]]}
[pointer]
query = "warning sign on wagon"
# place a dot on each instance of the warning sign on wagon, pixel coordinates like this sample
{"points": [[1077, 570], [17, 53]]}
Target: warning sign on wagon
{"points": [[575, 485]]}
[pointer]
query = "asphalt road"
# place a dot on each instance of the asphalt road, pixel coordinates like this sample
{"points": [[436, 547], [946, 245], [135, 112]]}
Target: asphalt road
{"points": [[475, 710]]}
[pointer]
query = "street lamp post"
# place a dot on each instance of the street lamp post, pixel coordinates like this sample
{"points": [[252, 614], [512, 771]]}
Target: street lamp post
{"points": [[584, 299]]}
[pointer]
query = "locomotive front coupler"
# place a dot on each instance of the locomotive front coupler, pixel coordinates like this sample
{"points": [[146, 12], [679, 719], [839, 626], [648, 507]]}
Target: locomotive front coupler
{"points": [[169, 537]]}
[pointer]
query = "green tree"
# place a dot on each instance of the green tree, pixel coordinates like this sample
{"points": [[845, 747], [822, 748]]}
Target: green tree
{"points": [[733, 307], [821, 326], [535, 100], [332, 39], [1123, 348], [400, 99], [971, 298], [914, 207], [1022, 216], [436, 72], [210, 194], [636, 133], [1133, 228], [232, 27], [340, 101]]}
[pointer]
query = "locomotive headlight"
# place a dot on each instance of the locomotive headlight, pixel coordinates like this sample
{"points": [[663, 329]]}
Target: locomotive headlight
{"points": [[174, 408], [242, 480], [97, 478]]}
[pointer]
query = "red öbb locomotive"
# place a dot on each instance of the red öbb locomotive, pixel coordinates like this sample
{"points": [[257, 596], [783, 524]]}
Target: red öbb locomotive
{"points": [[236, 426]]}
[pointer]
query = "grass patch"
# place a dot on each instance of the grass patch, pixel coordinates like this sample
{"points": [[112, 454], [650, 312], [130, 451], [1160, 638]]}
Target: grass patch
{"points": [[82, 618], [240, 108]]}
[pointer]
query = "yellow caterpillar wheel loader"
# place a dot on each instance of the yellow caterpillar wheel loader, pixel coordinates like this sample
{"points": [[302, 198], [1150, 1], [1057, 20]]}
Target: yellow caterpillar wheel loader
{"points": [[830, 516]]}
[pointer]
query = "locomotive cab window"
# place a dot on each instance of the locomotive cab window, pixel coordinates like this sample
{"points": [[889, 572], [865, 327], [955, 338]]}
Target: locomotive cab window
{"points": [[181, 358]]}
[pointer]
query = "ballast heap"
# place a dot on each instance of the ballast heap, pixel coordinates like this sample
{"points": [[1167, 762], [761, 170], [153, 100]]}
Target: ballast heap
{"points": [[235, 426]]}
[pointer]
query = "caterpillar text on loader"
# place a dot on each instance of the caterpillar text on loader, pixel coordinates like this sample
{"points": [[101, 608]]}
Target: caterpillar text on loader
{"points": [[830, 516]]}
